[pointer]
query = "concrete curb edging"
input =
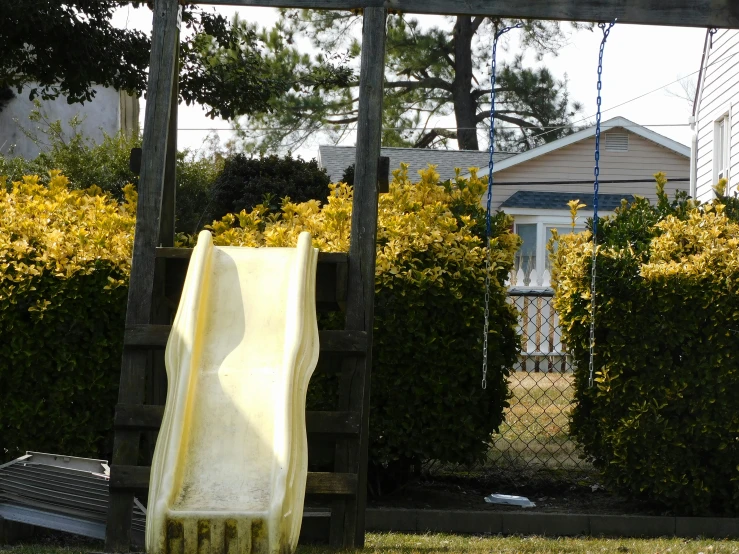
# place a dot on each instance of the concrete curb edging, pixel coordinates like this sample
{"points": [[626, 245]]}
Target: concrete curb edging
{"points": [[549, 524]]}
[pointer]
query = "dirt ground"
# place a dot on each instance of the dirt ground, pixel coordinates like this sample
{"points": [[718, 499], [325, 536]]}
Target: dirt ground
{"points": [[584, 497]]}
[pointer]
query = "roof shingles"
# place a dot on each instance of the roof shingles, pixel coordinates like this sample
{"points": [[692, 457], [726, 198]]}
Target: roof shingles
{"points": [[542, 200], [335, 159]]}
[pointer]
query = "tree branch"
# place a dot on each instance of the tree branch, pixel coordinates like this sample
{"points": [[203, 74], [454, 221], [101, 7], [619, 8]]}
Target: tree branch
{"points": [[341, 121], [433, 82], [425, 140], [484, 116], [476, 23]]}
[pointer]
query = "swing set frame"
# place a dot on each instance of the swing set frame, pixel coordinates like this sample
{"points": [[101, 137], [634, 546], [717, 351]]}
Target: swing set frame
{"points": [[146, 318]]}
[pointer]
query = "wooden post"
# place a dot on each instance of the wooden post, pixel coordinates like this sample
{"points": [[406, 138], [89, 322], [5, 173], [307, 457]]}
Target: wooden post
{"points": [[169, 195], [133, 367], [162, 311], [355, 382], [383, 177]]}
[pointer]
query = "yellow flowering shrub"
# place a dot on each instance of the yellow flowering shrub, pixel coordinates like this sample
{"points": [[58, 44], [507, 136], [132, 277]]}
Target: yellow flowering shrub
{"points": [[64, 264], [426, 401], [662, 419], [64, 261]]}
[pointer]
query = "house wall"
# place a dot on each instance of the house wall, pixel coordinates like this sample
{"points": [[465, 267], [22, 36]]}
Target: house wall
{"points": [[108, 113], [719, 95], [575, 162]]}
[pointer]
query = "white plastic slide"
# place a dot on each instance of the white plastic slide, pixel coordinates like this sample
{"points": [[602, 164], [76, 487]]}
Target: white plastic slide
{"points": [[231, 460]]}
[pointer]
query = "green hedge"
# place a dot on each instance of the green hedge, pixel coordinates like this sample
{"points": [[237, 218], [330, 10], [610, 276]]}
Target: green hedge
{"points": [[59, 374], [426, 402], [64, 263], [662, 420]]}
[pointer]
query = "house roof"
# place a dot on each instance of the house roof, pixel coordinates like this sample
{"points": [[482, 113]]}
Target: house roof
{"points": [[335, 159], [538, 200], [590, 132]]}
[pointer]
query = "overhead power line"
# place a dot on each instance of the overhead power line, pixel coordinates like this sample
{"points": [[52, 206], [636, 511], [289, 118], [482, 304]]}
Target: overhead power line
{"points": [[720, 58], [550, 129], [416, 128]]}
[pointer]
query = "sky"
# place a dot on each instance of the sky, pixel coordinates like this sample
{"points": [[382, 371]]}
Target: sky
{"points": [[641, 67]]}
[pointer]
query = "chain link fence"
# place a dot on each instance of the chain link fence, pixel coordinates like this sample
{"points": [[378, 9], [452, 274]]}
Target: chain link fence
{"points": [[534, 438], [535, 432]]}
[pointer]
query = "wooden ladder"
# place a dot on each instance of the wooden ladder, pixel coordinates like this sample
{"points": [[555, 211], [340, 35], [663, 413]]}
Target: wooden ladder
{"points": [[157, 273]]}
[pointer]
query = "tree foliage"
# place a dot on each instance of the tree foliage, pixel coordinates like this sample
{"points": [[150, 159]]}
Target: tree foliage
{"points": [[68, 46], [106, 165], [430, 72]]}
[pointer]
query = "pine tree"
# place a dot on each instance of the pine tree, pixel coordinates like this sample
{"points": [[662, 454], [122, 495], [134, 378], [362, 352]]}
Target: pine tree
{"points": [[429, 72]]}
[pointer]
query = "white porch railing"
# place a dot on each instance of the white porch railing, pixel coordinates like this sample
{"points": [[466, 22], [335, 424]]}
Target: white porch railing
{"points": [[538, 324]]}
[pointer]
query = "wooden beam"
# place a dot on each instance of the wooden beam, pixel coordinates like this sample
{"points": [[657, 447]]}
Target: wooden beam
{"points": [[676, 13], [140, 294], [334, 341], [148, 417], [347, 520], [186, 253], [330, 276], [383, 175], [169, 189], [154, 159], [332, 423], [134, 478]]}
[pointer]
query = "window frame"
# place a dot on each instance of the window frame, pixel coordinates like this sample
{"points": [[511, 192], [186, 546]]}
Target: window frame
{"points": [[559, 218], [722, 148]]}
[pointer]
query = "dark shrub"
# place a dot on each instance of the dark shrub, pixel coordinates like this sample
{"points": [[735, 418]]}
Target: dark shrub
{"points": [[246, 182]]}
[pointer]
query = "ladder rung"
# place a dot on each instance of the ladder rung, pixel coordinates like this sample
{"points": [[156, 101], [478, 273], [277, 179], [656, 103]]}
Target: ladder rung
{"points": [[331, 276], [147, 417], [151, 336], [185, 253], [137, 478], [155, 336], [332, 423], [138, 417]]}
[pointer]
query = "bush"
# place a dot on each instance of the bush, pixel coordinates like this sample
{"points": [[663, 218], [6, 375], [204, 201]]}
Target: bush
{"points": [[79, 159], [247, 182], [106, 165], [67, 267], [426, 401], [195, 177], [662, 418], [64, 264]]}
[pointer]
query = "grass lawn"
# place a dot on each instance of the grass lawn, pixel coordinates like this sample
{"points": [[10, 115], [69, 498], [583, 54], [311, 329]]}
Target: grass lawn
{"points": [[535, 429], [534, 435], [396, 543]]}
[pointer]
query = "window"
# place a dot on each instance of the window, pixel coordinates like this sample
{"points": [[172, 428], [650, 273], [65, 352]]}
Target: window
{"points": [[721, 148], [525, 259], [532, 259]]}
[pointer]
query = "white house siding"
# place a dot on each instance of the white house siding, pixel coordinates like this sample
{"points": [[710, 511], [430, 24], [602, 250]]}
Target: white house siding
{"points": [[109, 112], [575, 162], [719, 94]]}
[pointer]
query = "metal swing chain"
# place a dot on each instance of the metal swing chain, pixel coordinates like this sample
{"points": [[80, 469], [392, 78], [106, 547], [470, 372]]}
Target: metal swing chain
{"points": [[606, 28], [491, 163]]}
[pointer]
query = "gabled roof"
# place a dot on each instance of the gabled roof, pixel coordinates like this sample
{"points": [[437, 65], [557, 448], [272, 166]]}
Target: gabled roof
{"points": [[335, 159], [590, 132], [540, 200]]}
